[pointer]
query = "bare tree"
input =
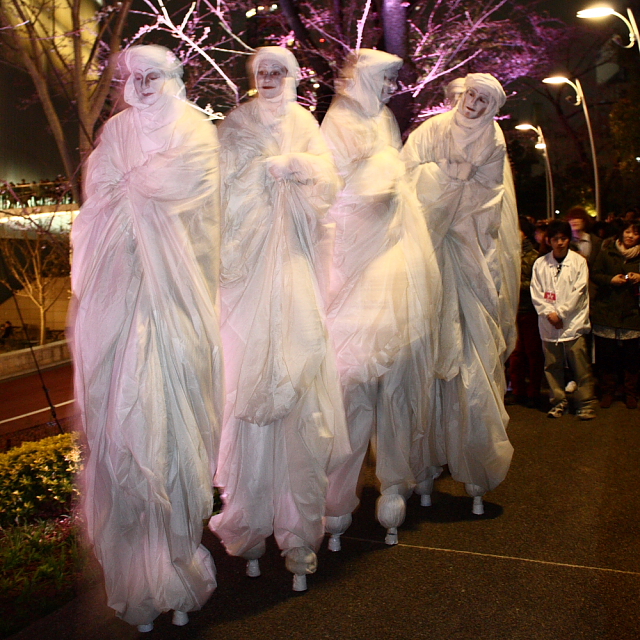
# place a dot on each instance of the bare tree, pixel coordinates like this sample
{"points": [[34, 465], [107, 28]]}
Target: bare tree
{"points": [[36, 256], [69, 48]]}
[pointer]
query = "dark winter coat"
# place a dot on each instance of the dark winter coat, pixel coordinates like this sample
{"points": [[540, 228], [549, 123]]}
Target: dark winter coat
{"points": [[614, 306]]}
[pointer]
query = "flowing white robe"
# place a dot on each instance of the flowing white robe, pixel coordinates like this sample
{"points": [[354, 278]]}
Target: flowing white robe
{"points": [[284, 420], [474, 229], [382, 286], [147, 356]]}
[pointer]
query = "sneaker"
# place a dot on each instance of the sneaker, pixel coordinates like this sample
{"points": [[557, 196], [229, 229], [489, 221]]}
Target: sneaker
{"points": [[558, 410], [586, 413]]}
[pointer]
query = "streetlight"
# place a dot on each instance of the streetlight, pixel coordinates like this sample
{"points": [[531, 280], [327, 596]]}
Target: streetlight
{"points": [[602, 11], [580, 100], [541, 144]]}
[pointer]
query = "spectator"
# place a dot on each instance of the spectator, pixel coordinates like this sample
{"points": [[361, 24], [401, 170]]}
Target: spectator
{"points": [[559, 293], [585, 243], [527, 357], [6, 331], [616, 315], [540, 237]]}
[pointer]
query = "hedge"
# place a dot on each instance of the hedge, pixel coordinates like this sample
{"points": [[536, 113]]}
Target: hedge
{"points": [[38, 479]]}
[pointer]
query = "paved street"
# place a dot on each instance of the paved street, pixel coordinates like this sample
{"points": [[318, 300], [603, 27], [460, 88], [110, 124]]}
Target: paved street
{"points": [[555, 557], [23, 403]]}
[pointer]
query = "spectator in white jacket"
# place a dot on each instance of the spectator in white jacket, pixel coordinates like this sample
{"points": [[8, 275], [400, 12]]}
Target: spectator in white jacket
{"points": [[559, 290]]}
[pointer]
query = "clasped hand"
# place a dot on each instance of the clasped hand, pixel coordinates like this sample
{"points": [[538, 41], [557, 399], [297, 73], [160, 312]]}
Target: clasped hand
{"points": [[629, 278]]}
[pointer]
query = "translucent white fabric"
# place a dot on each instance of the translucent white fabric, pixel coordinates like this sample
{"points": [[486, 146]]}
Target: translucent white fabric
{"points": [[382, 286], [148, 358], [284, 421], [462, 176]]}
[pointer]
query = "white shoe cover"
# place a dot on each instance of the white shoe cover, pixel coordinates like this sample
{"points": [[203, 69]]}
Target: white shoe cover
{"points": [[337, 524], [300, 560], [145, 628], [180, 618], [478, 507], [474, 490], [391, 510], [425, 488]]}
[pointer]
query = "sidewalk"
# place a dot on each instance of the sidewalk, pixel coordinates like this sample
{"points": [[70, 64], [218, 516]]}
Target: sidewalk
{"points": [[555, 557]]}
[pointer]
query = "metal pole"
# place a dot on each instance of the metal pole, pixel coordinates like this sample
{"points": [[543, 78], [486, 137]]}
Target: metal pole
{"points": [[550, 198], [593, 149]]}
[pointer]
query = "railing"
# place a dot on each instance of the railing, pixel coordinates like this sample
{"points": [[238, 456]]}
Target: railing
{"points": [[34, 194]]}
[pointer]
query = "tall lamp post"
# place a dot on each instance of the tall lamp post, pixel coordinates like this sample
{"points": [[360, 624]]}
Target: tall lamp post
{"points": [[541, 144], [580, 100], [602, 11]]}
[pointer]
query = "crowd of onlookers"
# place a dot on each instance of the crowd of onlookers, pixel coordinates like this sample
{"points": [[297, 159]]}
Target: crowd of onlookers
{"points": [[579, 313]]}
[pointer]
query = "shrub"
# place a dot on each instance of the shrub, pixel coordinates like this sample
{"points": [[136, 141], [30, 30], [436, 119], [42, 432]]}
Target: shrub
{"points": [[37, 479], [41, 565]]}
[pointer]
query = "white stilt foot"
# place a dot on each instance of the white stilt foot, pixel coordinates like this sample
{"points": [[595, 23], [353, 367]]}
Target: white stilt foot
{"points": [[253, 568], [336, 526], [334, 543], [180, 618], [300, 561], [425, 500], [299, 582], [145, 628], [392, 536], [478, 507]]}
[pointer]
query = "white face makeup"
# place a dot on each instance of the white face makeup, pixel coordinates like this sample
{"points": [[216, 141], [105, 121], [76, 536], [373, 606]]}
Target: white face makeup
{"points": [[148, 84], [270, 79], [474, 104], [389, 86]]}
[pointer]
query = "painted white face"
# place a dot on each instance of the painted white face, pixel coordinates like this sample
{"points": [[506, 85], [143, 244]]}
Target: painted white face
{"points": [[474, 103], [148, 84], [270, 79], [389, 86]]}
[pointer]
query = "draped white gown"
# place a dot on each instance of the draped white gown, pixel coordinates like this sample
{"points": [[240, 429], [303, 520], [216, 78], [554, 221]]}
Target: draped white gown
{"points": [[474, 229], [284, 420], [147, 356], [381, 292]]}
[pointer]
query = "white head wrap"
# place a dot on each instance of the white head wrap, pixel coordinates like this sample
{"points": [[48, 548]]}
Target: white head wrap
{"points": [[152, 56], [478, 133], [288, 62], [363, 78], [488, 85], [154, 118]]}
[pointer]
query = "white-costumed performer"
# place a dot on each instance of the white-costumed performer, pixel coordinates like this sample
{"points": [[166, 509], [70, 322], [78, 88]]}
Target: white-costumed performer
{"points": [[383, 283], [284, 420], [146, 344], [464, 182]]}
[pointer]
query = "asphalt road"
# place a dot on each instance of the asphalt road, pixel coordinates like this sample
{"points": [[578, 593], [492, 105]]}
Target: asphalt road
{"points": [[23, 402], [556, 556]]}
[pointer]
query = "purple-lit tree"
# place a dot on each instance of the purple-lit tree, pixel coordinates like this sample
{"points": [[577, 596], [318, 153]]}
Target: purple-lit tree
{"points": [[439, 39]]}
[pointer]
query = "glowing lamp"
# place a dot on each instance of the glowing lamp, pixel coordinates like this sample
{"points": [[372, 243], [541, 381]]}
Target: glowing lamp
{"points": [[556, 80], [541, 145], [596, 12], [602, 11]]}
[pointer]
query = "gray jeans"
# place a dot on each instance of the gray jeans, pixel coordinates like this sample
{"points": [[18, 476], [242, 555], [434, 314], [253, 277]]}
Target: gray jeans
{"points": [[575, 353]]}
